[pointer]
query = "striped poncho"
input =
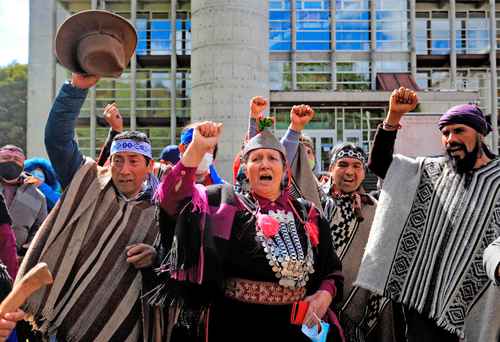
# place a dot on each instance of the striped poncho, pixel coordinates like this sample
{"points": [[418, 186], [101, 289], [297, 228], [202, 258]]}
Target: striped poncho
{"points": [[427, 241], [96, 293]]}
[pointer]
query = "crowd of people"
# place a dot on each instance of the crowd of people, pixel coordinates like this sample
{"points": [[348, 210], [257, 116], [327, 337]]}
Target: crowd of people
{"points": [[196, 257], [167, 250]]}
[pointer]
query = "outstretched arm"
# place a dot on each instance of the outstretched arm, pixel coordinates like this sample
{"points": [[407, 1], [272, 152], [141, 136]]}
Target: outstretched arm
{"points": [[257, 106], [115, 121], [179, 183], [300, 116], [61, 147], [402, 101]]}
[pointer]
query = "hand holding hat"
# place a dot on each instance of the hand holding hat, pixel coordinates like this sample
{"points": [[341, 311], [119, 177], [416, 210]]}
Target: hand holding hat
{"points": [[83, 81], [95, 42]]}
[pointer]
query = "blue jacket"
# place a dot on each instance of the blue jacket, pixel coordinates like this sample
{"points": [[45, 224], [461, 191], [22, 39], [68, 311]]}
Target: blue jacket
{"points": [[61, 146]]}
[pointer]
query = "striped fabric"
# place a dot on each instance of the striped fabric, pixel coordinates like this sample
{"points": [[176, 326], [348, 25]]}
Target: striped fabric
{"points": [[96, 293], [427, 243]]}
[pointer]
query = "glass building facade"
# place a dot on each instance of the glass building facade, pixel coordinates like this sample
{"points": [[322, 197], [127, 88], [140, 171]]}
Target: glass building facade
{"points": [[314, 46]]}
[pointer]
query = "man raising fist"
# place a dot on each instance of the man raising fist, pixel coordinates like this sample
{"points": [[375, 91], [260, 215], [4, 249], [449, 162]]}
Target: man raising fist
{"points": [[433, 222]]}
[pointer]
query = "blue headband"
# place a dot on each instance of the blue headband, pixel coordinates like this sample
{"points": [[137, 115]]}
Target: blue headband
{"points": [[187, 136], [128, 145]]}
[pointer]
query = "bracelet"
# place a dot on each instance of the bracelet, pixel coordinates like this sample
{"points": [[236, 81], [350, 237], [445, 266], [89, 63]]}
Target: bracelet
{"points": [[387, 126]]}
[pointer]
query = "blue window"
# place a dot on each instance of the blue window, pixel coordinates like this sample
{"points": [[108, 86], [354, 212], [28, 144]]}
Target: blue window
{"points": [[280, 25], [142, 36], [352, 25], [313, 25], [160, 36], [391, 25], [183, 28]]}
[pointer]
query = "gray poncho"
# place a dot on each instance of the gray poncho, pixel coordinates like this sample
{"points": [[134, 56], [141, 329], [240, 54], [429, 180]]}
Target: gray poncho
{"points": [[427, 241]]}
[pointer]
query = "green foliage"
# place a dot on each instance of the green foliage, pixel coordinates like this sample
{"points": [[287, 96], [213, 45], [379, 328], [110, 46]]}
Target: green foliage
{"points": [[13, 104], [12, 73]]}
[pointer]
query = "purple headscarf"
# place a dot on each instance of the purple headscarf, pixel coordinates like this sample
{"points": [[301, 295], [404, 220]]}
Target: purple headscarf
{"points": [[466, 114]]}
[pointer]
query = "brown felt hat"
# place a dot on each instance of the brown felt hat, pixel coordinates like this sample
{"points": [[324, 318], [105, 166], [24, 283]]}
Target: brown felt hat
{"points": [[95, 42]]}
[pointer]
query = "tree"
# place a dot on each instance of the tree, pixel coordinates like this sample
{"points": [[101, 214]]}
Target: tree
{"points": [[13, 103]]}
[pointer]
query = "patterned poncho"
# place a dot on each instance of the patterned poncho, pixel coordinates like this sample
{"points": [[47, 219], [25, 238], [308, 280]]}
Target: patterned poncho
{"points": [[96, 293], [427, 241], [364, 316]]}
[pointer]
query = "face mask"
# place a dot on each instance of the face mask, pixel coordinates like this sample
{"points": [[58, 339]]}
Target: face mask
{"points": [[10, 171], [313, 333], [38, 174], [205, 163], [312, 163]]}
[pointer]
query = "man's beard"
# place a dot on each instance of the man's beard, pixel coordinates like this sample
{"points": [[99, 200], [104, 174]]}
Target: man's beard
{"points": [[465, 164]]}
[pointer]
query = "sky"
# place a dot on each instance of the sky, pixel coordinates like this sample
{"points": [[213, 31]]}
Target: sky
{"points": [[14, 31]]}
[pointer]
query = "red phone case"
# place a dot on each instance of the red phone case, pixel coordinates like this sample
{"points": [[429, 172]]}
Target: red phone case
{"points": [[299, 310]]}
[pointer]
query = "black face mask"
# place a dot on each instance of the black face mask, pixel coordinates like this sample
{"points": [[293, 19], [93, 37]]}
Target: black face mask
{"points": [[10, 171]]}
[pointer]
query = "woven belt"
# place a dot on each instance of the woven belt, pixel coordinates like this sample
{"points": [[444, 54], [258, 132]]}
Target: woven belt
{"points": [[261, 292]]}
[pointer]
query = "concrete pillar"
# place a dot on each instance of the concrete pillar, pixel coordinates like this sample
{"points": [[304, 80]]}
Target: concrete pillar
{"points": [[173, 70], [41, 76], [293, 33], [493, 75], [453, 44], [133, 72], [373, 43], [230, 65], [333, 43], [93, 109], [413, 39]]}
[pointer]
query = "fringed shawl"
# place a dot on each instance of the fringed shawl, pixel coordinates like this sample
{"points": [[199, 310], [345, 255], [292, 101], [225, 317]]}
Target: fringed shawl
{"points": [[427, 241], [96, 293], [192, 273]]}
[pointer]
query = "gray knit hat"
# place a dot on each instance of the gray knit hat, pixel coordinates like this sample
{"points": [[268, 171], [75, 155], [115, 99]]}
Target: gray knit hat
{"points": [[264, 139]]}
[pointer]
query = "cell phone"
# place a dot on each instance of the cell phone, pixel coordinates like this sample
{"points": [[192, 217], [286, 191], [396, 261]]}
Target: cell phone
{"points": [[299, 310]]}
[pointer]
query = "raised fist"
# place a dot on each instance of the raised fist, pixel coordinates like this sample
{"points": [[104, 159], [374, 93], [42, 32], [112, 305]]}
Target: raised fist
{"points": [[257, 106], [113, 117], [402, 101], [84, 81], [206, 135], [300, 116]]}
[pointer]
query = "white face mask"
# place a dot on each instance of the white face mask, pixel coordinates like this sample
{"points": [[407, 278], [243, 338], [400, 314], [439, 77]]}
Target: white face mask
{"points": [[205, 163]]}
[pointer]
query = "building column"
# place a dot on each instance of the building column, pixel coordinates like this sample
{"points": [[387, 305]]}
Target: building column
{"points": [[333, 43], [413, 39], [230, 65], [453, 44], [373, 43], [493, 76], [93, 120], [133, 72], [293, 33], [41, 73], [173, 70]]}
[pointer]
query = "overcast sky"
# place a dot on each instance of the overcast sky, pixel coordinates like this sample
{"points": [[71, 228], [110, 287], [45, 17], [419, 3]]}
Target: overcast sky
{"points": [[14, 28]]}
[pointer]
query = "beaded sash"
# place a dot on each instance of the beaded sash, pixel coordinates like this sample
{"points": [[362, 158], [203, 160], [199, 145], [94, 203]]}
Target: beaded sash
{"points": [[261, 292]]}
